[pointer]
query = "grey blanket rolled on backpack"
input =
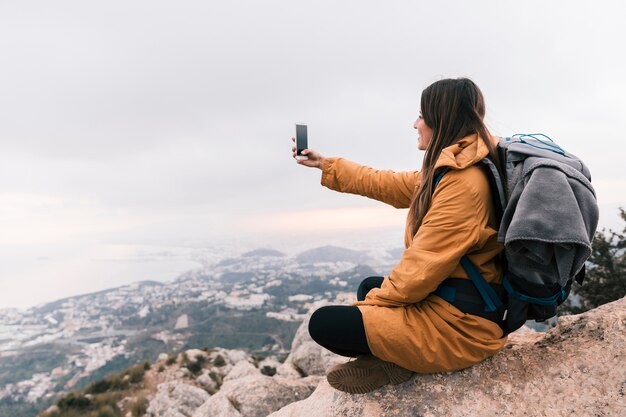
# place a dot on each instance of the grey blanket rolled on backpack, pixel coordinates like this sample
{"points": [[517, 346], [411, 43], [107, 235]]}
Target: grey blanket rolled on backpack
{"points": [[558, 237]]}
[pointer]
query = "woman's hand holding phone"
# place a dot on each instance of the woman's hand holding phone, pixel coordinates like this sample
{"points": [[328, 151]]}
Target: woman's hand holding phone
{"points": [[315, 160]]}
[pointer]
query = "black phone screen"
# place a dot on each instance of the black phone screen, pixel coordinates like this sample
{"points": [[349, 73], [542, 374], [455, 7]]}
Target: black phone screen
{"points": [[301, 139]]}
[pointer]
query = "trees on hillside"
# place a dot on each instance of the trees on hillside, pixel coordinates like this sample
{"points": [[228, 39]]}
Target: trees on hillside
{"points": [[606, 273]]}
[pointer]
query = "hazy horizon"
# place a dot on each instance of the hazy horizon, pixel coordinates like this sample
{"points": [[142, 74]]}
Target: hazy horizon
{"points": [[166, 263], [126, 128]]}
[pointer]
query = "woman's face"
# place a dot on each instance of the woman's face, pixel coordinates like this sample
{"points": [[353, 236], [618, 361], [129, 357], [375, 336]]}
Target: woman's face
{"points": [[424, 133]]}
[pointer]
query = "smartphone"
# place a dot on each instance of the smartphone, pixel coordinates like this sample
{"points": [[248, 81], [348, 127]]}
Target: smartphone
{"points": [[302, 141]]}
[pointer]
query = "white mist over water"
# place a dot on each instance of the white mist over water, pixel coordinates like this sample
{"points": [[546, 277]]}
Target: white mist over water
{"points": [[35, 276], [42, 275]]}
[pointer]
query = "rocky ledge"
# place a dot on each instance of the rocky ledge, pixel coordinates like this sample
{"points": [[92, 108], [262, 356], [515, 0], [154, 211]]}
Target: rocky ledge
{"points": [[577, 368]]}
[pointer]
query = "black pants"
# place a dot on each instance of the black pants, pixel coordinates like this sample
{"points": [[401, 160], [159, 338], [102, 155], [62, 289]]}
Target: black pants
{"points": [[340, 328]]}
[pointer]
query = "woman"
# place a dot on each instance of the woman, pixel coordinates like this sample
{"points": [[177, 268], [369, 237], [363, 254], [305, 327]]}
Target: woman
{"points": [[399, 326]]}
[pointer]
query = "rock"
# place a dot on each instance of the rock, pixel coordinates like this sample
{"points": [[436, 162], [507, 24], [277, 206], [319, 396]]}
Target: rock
{"points": [[207, 382], [520, 339], [269, 361], [269, 366], [182, 373], [192, 354], [234, 356], [324, 402], [257, 396], [222, 362], [288, 370], [230, 356], [162, 357], [224, 359], [311, 359], [175, 399], [241, 370], [576, 368], [219, 406]]}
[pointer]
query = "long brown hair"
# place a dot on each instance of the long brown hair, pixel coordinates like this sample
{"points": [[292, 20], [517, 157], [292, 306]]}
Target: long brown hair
{"points": [[453, 109]]}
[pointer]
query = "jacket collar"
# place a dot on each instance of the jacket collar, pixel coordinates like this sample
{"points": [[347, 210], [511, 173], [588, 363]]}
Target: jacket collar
{"points": [[466, 152]]}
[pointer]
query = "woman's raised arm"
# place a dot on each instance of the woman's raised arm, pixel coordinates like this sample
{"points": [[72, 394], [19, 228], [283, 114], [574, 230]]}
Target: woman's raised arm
{"points": [[339, 174]]}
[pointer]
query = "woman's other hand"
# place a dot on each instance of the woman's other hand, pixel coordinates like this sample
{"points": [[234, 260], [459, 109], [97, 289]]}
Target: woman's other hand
{"points": [[315, 159]]}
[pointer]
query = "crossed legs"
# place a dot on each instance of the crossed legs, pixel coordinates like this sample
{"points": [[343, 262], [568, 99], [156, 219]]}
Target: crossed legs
{"points": [[340, 329]]}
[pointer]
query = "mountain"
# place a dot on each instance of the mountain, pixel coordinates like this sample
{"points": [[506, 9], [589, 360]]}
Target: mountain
{"points": [[396, 253], [256, 303], [332, 254], [263, 252]]}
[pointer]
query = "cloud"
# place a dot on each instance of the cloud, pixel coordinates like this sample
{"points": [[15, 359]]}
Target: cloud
{"points": [[153, 121], [326, 221]]}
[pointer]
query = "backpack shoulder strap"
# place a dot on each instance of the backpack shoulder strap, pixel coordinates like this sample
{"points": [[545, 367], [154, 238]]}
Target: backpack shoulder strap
{"points": [[497, 183], [439, 177], [488, 294]]}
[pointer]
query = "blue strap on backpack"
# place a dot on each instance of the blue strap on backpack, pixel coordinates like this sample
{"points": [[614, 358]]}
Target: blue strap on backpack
{"points": [[490, 297]]}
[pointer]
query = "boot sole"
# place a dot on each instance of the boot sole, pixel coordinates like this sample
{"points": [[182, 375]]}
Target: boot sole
{"points": [[397, 375], [357, 380]]}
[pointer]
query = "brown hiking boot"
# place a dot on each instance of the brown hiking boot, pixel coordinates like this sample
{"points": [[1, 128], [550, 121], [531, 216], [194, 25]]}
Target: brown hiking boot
{"points": [[366, 374]]}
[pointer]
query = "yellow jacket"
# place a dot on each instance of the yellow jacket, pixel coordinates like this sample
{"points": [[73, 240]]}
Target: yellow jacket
{"points": [[404, 323]]}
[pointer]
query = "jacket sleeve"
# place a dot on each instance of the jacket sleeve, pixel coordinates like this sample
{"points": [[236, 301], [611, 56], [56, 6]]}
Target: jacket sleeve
{"points": [[394, 188], [449, 230]]}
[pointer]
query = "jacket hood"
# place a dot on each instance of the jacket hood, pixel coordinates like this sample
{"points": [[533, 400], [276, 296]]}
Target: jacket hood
{"points": [[465, 152]]}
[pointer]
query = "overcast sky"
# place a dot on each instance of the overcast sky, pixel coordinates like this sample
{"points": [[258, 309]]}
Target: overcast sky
{"points": [[129, 126]]}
